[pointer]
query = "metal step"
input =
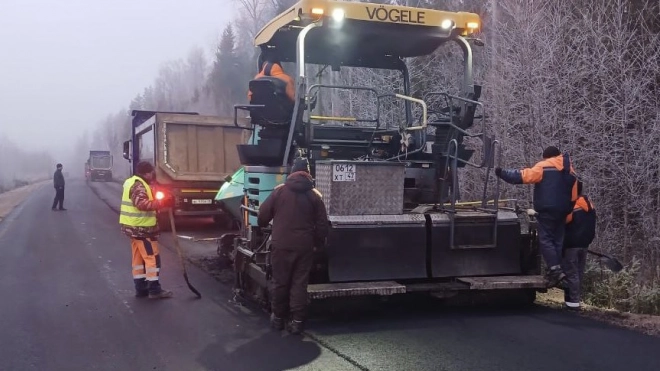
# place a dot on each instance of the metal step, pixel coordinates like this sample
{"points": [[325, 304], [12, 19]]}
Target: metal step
{"points": [[334, 290], [504, 282]]}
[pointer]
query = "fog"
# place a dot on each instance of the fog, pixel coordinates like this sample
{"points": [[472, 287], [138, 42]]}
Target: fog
{"points": [[66, 65]]}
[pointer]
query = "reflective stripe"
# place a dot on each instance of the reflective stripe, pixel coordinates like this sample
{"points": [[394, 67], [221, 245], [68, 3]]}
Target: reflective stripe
{"points": [[153, 270], [138, 276], [152, 278], [136, 267], [572, 305], [126, 203], [141, 214]]}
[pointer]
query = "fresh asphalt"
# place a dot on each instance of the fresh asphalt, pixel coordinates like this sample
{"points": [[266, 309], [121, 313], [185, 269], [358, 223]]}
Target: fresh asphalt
{"points": [[67, 304]]}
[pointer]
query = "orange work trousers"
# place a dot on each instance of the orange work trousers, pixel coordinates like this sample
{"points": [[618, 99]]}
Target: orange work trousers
{"points": [[146, 264]]}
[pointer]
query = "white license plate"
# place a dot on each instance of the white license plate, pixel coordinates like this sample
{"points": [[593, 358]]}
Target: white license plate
{"points": [[202, 202]]}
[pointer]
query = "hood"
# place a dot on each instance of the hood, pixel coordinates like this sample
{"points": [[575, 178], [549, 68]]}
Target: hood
{"points": [[299, 182]]}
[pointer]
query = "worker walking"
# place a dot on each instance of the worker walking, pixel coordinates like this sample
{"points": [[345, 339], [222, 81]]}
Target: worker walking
{"points": [[138, 221], [555, 192], [58, 183], [300, 222], [580, 232]]}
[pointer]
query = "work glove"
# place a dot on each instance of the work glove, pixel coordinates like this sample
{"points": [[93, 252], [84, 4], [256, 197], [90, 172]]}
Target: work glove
{"points": [[498, 172]]}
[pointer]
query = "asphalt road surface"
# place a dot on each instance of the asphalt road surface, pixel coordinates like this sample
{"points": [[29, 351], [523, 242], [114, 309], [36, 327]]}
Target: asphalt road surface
{"points": [[67, 304]]}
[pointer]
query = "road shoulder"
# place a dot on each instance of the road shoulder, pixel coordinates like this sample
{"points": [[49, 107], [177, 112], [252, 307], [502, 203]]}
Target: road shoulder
{"points": [[645, 323], [11, 199]]}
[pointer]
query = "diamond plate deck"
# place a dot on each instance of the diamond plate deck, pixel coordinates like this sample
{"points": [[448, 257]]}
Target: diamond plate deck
{"points": [[377, 189]]}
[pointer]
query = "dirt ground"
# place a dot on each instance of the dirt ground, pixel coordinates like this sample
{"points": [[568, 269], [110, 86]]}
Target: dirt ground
{"points": [[647, 324], [9, 200]]}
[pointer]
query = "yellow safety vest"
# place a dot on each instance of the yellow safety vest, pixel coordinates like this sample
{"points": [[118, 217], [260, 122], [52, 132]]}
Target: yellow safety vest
{"points": [[131, 215]]}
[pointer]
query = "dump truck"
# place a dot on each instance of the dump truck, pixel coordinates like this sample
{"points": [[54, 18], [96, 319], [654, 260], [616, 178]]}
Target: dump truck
{"points": [[389, 182], [99, 165], [192, 155]]}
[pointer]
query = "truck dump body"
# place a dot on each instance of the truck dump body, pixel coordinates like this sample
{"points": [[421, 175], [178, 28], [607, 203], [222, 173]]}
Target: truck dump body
{"points": [[195, 148], [192, 156]]}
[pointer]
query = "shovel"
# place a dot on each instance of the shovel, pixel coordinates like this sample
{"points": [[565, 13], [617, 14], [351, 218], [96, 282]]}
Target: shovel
{"points": [[612, 263], [178, 250]]}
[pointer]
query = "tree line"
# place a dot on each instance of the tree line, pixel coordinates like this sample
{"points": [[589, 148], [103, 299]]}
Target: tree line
{"points": [[579, 74], [19, 166]]}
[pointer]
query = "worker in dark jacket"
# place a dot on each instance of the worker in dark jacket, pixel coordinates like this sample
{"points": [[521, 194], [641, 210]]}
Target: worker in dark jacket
{"points": [[300, 222], [580, 232], [555, 193], [58, 183], [273, 68]]}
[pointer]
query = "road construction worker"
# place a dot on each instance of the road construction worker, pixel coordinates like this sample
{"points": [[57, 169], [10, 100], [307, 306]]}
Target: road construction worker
{"points": [[138, 221], [300, 222], [58, 183], [580, 232], [273, 68], [555, 192]]}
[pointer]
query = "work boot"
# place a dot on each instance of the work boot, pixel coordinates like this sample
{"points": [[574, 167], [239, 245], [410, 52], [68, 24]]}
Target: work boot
{"points": [[141, 294], [62, 209], [572, 308], [296, 327], [554, 276], [162, 294], [276, 323]]}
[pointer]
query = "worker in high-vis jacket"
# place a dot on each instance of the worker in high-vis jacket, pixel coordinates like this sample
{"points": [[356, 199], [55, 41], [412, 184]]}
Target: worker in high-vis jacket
{"points": [[555, 193], [580, 232], [138, 221]]}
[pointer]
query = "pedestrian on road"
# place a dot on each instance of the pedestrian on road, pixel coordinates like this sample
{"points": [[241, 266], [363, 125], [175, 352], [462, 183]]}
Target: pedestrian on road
{"points": [[580, 232], [555, 193], [58, 183], [300, 222], [139, 222]]}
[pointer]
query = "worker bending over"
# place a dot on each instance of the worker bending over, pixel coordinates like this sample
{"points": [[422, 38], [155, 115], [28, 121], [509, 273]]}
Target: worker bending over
{"points": [[300, 222], [555, 192], [138, 221], [580, 232]]}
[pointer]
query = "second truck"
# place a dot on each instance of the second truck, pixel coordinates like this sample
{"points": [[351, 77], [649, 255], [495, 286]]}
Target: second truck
{"points": [[99, 166]]}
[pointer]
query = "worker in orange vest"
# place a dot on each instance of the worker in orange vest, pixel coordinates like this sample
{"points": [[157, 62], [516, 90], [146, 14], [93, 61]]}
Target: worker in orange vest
{"points": [[555, 193], [273, 68], [580, 232]]}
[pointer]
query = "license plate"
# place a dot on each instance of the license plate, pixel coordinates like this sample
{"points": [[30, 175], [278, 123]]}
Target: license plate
{"points": [[202, 202]]}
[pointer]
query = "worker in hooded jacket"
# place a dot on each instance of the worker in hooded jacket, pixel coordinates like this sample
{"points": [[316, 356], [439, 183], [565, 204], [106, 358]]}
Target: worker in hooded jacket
{"points": [[580, 232], [555, 193], [300, 222], [273, 68]]}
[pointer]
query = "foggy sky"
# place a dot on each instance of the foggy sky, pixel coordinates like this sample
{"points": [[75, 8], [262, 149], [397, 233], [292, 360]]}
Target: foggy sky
{"points": [[66, 64]]}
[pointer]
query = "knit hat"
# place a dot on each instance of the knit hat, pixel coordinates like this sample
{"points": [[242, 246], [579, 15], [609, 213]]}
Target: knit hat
{"points": [[300, 164], [144, 167], [551, 151]]}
